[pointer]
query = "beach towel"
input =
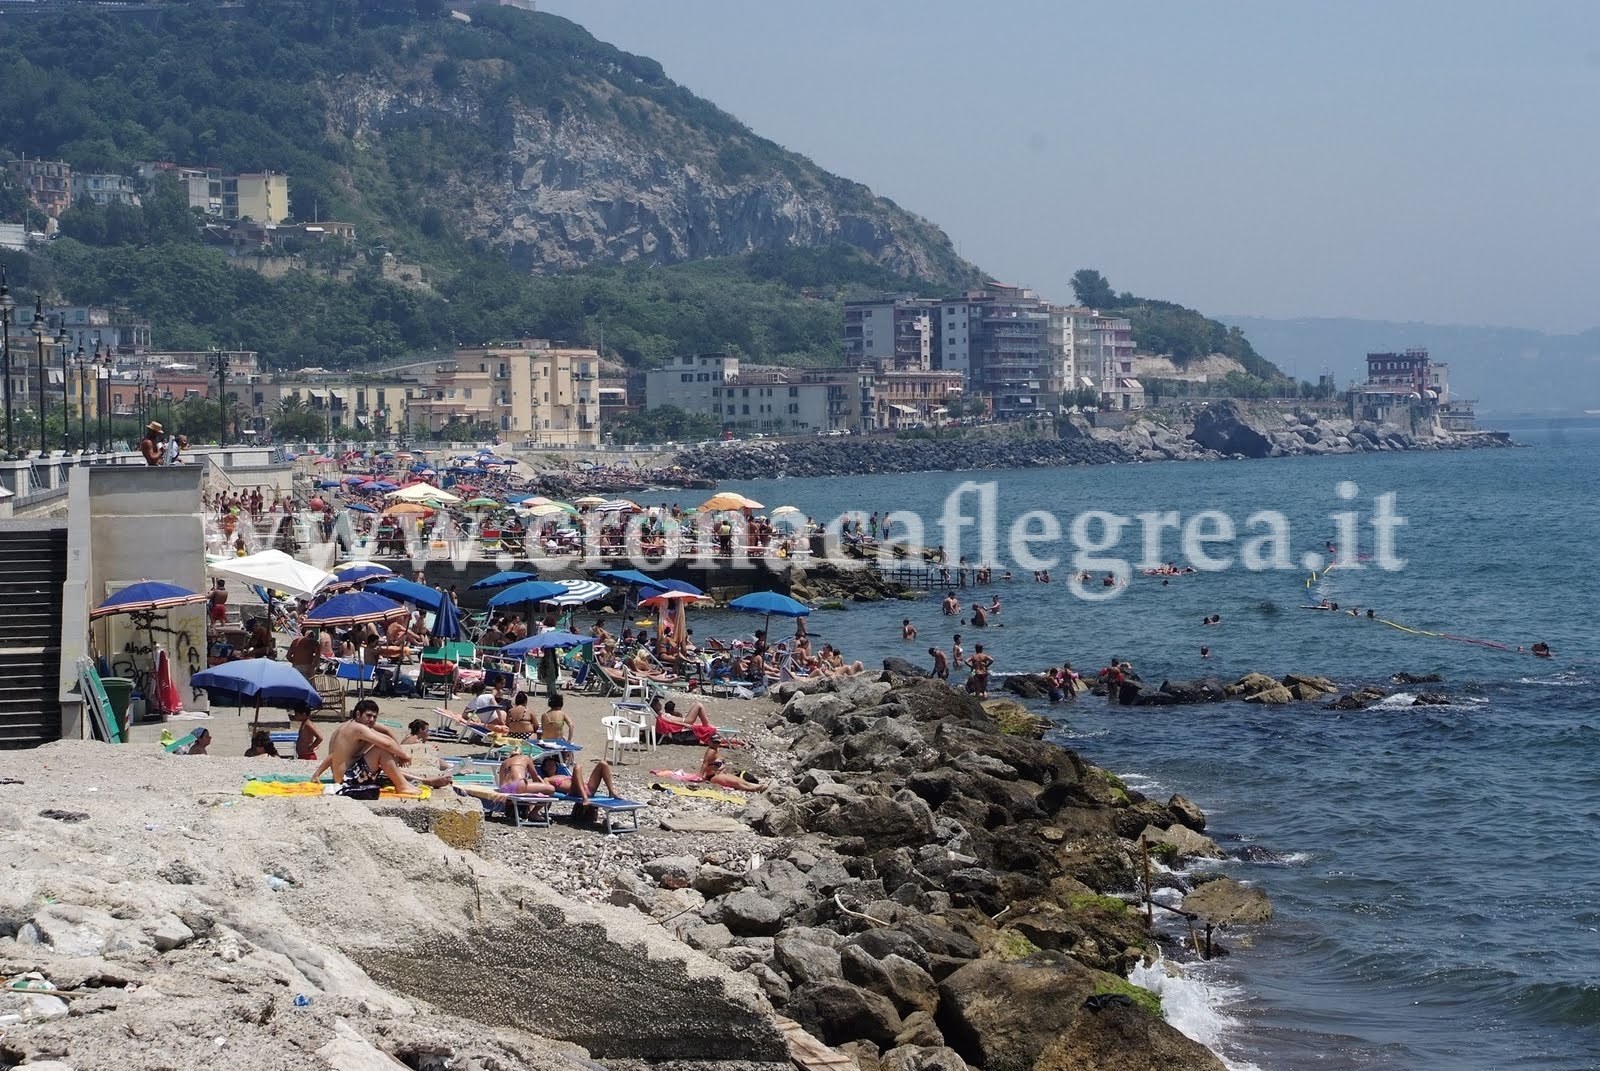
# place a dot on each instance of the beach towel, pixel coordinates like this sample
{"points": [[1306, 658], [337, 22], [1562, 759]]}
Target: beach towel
{"points": [[260, 787], [699, 793]]}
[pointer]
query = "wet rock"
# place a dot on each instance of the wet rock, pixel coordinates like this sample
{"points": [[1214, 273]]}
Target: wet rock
{"points": [[1121, 1034], [1432, 699], [838, 1012], [1226, 902], [1416, 678], [1277, 695], [1028, 685], [1357, 700], [1184, 810], [899, 667], [1185, 843], [1203, 690]]}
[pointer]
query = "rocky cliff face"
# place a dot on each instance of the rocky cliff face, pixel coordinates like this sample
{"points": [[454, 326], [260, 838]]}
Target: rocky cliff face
{"points": [[583, 186]]}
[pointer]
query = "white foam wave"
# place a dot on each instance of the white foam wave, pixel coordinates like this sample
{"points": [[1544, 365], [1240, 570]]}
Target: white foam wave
{"points": [[1395, 701], [1192, 1005], [1564, 680]]}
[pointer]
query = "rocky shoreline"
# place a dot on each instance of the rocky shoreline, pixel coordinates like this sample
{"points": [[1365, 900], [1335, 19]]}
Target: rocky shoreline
{"points": [[1220, 431], [918, 889]]}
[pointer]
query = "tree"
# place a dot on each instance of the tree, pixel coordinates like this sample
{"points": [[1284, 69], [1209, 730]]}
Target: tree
{"points": [[1091, 289], [292, 420]]}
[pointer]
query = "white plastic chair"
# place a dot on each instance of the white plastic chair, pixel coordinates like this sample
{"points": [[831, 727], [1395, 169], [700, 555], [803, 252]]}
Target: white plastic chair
{"points": [[620, 733], [641, 715]]}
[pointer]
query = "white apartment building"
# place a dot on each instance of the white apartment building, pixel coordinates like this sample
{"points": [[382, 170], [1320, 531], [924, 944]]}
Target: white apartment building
{"points": [[686, 382], [893, 333]]}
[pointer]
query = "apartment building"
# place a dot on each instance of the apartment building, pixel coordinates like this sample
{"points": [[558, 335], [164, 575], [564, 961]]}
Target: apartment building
{"points": [[906, 399], [756, 399], [95, 327], [261, 197], [527, 390], [48, 182], [104, 189], [890, 333], [369, 403]]}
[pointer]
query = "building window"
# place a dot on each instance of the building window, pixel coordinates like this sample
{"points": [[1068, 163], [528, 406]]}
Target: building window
{"points": [[687, 377], [746, 411], [466, 392], [794, 392]]}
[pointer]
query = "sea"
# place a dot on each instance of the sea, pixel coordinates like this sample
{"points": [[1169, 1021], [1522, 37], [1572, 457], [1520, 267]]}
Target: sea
{"points": [[1434, 870]]}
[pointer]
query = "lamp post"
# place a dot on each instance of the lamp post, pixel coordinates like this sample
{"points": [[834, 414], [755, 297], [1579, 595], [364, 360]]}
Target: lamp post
{"points": [[6, 306], [81, 361], [38, 342], [220, 360], [102, 384], [64, 345]]}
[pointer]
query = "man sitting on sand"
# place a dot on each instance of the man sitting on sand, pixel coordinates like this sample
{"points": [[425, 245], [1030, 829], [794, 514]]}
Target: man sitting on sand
{"points": [[714, 771], [361, 755]]}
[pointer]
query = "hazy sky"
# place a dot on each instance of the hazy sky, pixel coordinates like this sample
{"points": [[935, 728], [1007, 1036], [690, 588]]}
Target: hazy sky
{"points": [[1406, 161]]}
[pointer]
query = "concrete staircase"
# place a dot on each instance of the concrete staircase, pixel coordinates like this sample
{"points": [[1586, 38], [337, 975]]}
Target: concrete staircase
{"points": [[33, 566]]}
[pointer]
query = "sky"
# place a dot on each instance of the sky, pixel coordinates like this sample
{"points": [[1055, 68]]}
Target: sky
{"points": [[1434, 162]]}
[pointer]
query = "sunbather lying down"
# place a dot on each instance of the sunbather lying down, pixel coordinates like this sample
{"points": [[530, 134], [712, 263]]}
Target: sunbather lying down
{"points": [[714, 771], [520, 776]]}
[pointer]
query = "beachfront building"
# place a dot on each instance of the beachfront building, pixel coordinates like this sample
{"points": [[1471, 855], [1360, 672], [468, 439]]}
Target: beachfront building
{"points": [[527, 390], [890, 333], [911, 399], [756, 399], [48, 182], [374, 405]]}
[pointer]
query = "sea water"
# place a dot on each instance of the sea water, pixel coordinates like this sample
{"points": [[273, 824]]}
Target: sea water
{"points": [[1435, 870]]}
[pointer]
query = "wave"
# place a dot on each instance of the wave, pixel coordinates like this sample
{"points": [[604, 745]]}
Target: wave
{"points": [[1560, 680], [1192, 1005], [1560, 1003]]}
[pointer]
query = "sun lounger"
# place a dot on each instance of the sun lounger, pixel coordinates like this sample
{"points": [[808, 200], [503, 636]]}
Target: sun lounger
{"points": [[535, 810]]}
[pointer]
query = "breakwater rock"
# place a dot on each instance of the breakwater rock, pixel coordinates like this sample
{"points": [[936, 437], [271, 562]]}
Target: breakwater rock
{"points": [[948, 902], [860, 455], [1218, 431]]}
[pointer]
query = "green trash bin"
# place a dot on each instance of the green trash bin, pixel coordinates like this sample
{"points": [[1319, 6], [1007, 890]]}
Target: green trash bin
{"points": [[119, 690]]}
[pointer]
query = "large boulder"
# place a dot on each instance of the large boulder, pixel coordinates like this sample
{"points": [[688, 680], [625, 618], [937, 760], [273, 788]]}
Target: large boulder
{"points": [[1226, 902], [900, 667], [1117, 1033], [880, 821], [838, 1012], [1183, 843], [908, 986], [1010, 1015], [1223, 427]]}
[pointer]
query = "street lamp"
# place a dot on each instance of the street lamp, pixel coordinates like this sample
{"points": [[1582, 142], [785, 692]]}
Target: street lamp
{"points": [[83, 364], [64, 344], [38, 342], [6, 306], [102, 383], [220, 359]]}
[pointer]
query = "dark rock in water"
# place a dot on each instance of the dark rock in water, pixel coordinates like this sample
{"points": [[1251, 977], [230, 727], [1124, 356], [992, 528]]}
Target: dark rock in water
{"points": [[1255, 853], [1360, 699], [1226, 902], [1223, 427], [1414, 678], [1017, 1015], [899, 667], [1206, 690], [1029, 685], [1187, 814], [1432, 699]]}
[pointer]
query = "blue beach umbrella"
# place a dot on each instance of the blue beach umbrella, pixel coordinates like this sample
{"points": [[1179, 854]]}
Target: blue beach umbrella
{"points": [[529, 591], [353, 480], [769, 603], [147, 596], [357, 572], [503, 579], [447, 620], [325, 484], [266, 680], [361, 507], [355, 608], [544, 641], [410, 591]]}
